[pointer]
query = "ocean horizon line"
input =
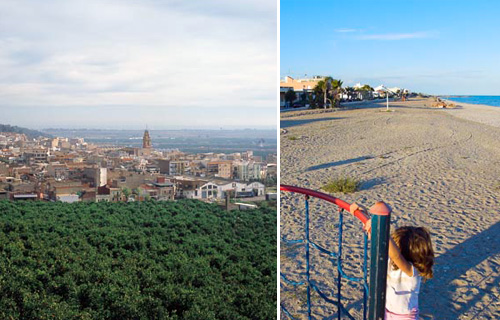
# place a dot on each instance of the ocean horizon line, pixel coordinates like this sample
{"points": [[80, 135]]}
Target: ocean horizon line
{"points": [[493, 101]]}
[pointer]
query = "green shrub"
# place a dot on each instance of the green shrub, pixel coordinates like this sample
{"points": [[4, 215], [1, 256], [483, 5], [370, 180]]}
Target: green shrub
{"points": [[344, 185]]}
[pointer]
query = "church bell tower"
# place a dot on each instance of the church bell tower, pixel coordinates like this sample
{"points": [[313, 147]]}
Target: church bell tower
{"points": [[146, 143], [146, 140]]}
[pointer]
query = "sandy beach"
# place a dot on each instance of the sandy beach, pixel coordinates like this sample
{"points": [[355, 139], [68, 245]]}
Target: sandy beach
{"points": [[438, 168]]}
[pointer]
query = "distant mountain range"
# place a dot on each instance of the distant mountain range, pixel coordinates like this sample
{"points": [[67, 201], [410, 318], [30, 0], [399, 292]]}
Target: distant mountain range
{"points": [[28, 132]]}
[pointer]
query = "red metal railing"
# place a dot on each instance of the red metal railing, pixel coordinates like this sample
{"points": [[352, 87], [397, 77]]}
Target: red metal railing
{"points": [[341, 203]]}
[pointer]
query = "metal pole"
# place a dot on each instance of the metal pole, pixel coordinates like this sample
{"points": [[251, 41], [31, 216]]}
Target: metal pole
{"points": [[381, 217], [307, 260], [339, 262], [387, 96], [365, 274]]}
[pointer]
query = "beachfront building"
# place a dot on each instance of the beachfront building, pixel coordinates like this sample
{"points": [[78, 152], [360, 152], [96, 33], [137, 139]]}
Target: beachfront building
{"points": [[301, 84], [283, 91], [301, 87]]}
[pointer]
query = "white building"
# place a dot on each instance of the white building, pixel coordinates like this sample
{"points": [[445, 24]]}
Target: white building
{"points": [[208, 191], [239, 188], [199, 189], [248, 170], [68, 198]]}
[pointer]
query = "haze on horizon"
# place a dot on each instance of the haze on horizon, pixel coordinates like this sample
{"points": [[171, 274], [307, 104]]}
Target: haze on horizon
{"points": [[127, 65], [435, 47]]}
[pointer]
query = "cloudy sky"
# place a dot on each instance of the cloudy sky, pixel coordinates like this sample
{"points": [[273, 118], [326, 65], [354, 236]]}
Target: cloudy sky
{"points": [[437, 47], [128, 64]]}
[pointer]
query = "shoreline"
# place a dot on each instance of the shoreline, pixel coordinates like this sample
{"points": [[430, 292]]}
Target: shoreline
{"points": [[480, 113], [469, 103]]}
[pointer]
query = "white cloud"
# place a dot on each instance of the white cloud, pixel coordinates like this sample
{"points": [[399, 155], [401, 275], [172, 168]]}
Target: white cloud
{"points": [[396, 36], [150, 53], [346, 30]]}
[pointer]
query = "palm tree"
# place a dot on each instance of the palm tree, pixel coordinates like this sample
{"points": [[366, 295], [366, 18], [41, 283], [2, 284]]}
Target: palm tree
{"points": [[337, 86], [320, 91], [323, 88], [329, 89]]}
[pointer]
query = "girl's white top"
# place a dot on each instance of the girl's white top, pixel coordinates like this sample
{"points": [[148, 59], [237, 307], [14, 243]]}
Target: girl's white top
{"points": [[402, 290]]}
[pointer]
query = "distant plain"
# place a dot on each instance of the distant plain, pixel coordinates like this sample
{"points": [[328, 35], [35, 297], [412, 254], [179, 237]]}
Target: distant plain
{"points": [[261, 142]]}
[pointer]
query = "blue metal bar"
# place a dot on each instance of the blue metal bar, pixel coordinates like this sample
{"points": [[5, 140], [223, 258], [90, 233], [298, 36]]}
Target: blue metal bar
{"points": [[339, 261], [284, 239], [286, 312], [293, 283], [322, 295], [345, 276], [307, 260], [365, 274], [332, 254]]}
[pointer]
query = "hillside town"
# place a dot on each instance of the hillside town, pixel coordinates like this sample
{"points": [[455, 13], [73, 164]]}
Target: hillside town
{"points": [[70, 170]]}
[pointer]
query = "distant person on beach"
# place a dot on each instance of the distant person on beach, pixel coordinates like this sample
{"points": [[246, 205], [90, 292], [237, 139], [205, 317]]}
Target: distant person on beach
{"points": [[411, 258]]}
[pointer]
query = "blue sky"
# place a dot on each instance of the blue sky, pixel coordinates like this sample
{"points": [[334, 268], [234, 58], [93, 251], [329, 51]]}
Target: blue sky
{"points": [[169, 64], [436, 47]]}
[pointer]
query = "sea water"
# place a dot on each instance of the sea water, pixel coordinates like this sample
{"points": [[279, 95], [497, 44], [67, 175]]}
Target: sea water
{"points": [[487, 100]]}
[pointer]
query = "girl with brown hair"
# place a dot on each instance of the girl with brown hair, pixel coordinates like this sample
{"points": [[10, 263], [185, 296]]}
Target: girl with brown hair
{"points": [[411, 258]]}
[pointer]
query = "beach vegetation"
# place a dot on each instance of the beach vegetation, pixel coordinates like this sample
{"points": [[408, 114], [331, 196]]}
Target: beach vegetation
{"points": [[292, 138], [326, 92], [343, 185], [139, 260], [312, 102]]}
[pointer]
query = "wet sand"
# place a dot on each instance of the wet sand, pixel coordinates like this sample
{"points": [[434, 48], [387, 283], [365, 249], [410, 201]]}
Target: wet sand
{"points": [[438, 168]]}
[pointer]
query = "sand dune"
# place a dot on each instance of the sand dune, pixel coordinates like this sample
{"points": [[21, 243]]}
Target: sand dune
{"points": [[437, 168]]}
